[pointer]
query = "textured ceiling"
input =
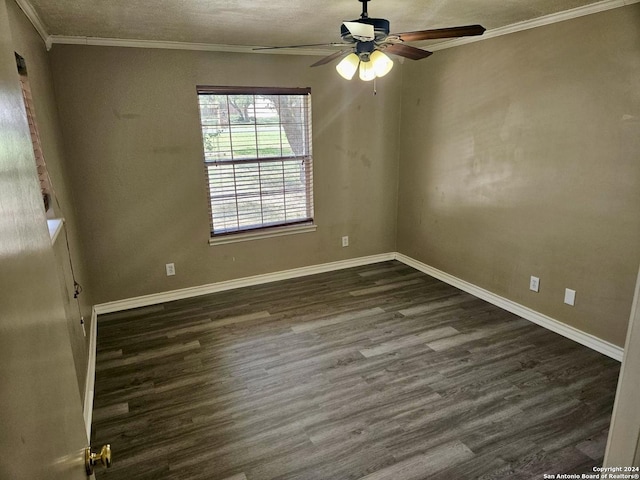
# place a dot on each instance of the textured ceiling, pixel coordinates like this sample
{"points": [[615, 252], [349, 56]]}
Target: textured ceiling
{"points": [[276, 22]]}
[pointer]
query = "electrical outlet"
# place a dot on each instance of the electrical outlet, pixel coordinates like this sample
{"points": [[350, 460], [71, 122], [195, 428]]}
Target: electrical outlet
{"points": [[534, 284], [345, 241], [171, 269], [569, 296]]}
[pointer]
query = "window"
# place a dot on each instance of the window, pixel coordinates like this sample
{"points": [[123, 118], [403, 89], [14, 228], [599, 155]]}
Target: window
{"points": [[257, 157], [43, 176]]}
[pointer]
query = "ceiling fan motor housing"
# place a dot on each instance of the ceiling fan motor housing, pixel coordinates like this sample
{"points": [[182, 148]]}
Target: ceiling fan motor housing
{"points": [[380, 28], [364, 50]]}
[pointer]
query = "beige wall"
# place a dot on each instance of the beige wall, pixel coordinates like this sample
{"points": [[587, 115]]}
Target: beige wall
{"points": [[519, 157], [28, 44], [132, 133], [42, 433]]}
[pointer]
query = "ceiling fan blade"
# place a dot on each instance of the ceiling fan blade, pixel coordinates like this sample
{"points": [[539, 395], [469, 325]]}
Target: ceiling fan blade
{"points": [[464, 31], [360, 31], [329, 58], [407, 51], [335, 44]]}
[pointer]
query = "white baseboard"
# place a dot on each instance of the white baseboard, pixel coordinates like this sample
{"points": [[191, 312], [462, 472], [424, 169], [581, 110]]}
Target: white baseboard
{"points": [[545, 321], [549, 323], [156, 298], [90, 381]]}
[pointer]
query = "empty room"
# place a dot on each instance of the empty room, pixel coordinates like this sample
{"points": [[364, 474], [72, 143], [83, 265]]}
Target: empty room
{"points": [[357, 239]]}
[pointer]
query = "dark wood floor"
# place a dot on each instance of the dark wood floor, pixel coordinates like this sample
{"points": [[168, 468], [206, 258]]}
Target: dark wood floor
{"points": [[376, 372]]}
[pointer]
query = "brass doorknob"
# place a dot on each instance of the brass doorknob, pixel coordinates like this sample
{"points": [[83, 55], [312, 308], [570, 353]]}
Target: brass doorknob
{"points": [[92, 459]]}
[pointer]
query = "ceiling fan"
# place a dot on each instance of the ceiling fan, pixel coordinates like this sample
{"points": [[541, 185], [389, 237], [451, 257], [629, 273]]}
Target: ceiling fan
{"points": [[367, 38]]}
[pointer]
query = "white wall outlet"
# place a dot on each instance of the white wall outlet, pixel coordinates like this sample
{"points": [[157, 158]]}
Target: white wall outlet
{"points": [[171, 269], [345, 241], [569, 296], [534, 284]]}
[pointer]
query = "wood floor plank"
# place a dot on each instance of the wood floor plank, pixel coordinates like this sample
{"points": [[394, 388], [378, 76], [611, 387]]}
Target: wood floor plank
{"points": [[333, 320], [385, 288], [155, 354], [239, 476], [374, 372], [410, 340], [114, 410], [428, 463]]}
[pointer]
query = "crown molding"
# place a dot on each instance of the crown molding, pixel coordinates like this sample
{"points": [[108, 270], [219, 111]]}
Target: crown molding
{"points": [[35, 20], [535, 22], [207, 47], [50, 40]]}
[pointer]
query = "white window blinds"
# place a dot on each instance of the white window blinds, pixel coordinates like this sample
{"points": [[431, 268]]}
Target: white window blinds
{"points": [[257, 156]]}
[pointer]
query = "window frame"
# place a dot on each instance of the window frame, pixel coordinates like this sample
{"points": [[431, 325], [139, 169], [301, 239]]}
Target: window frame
{"points": [[262, 229], [46, 189]]}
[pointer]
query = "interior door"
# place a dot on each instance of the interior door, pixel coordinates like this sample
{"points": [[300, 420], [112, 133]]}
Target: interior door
{"points": [[623, 445], [42, 433]]}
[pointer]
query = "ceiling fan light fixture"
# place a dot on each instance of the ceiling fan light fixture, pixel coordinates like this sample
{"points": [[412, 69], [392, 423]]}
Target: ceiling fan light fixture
{"points": [[367, 72], [382, 64], [368, 37], [348, 66]]}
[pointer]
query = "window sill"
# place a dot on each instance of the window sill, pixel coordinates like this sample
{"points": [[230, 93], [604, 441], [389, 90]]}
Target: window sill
{"points": [[55, 226], [275, 232]]}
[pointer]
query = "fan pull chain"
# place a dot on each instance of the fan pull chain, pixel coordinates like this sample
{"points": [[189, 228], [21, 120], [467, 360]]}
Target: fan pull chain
{"points": [[375, 89]]}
